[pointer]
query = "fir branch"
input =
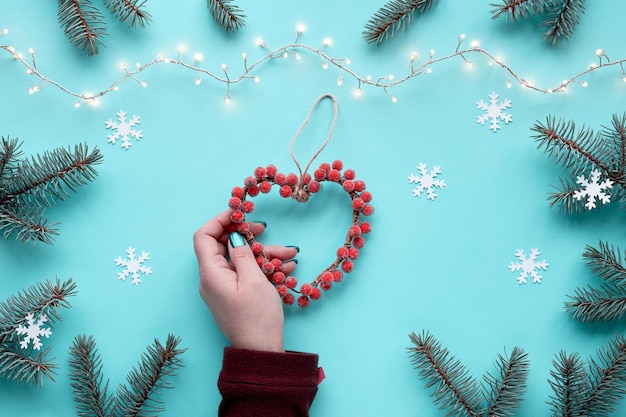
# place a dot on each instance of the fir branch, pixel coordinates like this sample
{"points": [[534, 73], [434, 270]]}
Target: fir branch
{"points": [[507, 387], [569, 383], [83, 24], [130, 12], [43, 298], [228, 15], [394, 16], [607, 262], [9, 153], [607, 379], [616, 137], [563, 19], [592, 304], [148, 379], [28, 186], [519, 9], [90, 395], [454, 388]]}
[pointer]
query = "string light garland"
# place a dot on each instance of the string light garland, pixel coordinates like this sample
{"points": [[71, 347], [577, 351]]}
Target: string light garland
{"points": [[418, 67]]}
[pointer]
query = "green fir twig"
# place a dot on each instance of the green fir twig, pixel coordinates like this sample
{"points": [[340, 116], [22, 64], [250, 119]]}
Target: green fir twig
{"points": [[227, 14], [582, 151], [393, 17], [131, 12], [520, 9], [29, 186], [83, 24], [608, 302], [22, 365], [145, 382], [569, 384]]}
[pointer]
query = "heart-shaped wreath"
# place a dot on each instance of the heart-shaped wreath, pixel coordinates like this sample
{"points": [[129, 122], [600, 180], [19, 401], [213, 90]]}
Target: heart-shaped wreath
{"points": [[301, 189]]}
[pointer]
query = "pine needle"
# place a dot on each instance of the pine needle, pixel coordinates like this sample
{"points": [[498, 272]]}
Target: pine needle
{"points": [[607, 379], [83, 24], [569, 383], [507, 386], [394, 16], [519, 9], [228, 15], [563, 19], [131, 12]]}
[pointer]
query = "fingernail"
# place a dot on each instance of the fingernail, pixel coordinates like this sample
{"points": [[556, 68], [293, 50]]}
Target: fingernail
{"points": [[236, 240], [294, 260], [260, 222], [293, 247]]}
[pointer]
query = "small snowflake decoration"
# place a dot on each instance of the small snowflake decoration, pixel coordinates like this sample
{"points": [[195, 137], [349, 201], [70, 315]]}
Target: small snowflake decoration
{"points": [[494, 112], [426, 181], [123, 129], [593, 189], [528, 266], [133, 266], [33, 331]]}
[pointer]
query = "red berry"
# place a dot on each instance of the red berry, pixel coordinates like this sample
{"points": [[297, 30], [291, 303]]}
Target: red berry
{"points": [[232, 228], [359, 186], [243, 228], [349, 174], [327, 277], [326, 286], [354, 231], [353, 253], [306, 179], [358, 204], [366, 196], [237, 192], [291, 282], [247, 207], [253, 192], [325, 166], [306, 289], [338, 165], [277, 263], [358, 242], [348, 186], [319, 174], [342, 252], [365, 227], [267, 268], [292, 179], [282, 290], [337, 275], [265, 187], [280, 178], [278, 278], [259, 260], [313, 186], [250, 182], [334, 175], [286, 191], [237, 216], [257, 248], [368, 210], [270, 171], [259, 173], [303, 301], [234, 203], [346, 266], [316, 294], [289, 299]]}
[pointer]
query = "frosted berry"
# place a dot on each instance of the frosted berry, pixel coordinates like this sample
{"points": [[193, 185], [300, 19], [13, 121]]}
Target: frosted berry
{"points": [[316, 294], [325, 166], [349, 174], [327, 277], [365, 227], [353, 253], [354, 231], [234, 203], [338, 165], [358, 242], [243, 228], [358, 204], [277, 263], [306, 289], [326, 286], [291, 282], [347, 266], [282, 290], [306, 178], [337, 275], [253, 192], [236, 217], [334, 175], [278, 278], [259, 173], [348, 186], [366, 196], [271, 171], [250, 182], [237, 192], [257, 248], [319, 174], [359, 186], [368, 210], [289, 299], [259, 260], [280, 178], [285, 191], [265, 187], [313, 186], [292, 179], [342, 252], [247, 207], [267, 268], [303, 301]]}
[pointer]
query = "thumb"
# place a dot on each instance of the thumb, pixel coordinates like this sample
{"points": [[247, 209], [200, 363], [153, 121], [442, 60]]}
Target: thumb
{"points": [[242, 257]]}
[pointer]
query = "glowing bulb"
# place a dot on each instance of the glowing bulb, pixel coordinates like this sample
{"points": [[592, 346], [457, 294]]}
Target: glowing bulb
{"points": [[327, 42], [624, 79], [29, 71], [357, 92], [260, 42], [285, 55], [197, 57], [144, 84], [116, 88], [394, 99], [475, 44], [469, 64], [5, 31], [138, 65], [198, 81], [257, 80], [224, 67], [340, 80], [324, 65], [584, 84], [181, 49], [432, 53], [77, 104], [368, 78], [600, 52], [414, 56], [123, 66], [490, 63], [461, 37], [347, 61], [227, 99], [428, 70], [298, 57], [159, 57], [244, 56], [509, 84], [301, 28], [31, 51]]}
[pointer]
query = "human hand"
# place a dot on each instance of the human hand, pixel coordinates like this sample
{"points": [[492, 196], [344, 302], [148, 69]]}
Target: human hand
{"points": [[244, 304]]}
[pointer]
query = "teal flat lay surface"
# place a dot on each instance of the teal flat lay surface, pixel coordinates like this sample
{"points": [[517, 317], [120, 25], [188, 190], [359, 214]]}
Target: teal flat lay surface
{"points": [[439, 265]]}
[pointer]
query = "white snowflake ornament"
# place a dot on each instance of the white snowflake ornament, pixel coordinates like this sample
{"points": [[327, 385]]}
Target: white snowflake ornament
{"points": [[33, 331], [426, 181], [494, 111], [593, 189], [133, 266], [123, 129], [528, 266]]}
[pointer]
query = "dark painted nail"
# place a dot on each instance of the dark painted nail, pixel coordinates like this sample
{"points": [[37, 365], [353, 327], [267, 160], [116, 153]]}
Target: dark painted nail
{"points": [[293, 247]]}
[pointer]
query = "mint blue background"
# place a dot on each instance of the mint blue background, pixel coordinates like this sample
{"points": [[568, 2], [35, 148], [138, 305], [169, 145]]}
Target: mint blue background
{"points": [[437, 265]]}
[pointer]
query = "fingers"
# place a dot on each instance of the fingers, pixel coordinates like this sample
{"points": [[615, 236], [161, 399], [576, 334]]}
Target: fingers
{"points": [[281, 252]]}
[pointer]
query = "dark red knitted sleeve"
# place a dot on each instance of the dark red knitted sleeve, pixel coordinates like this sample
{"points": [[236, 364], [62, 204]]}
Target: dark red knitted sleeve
{"points": [[267, 384]]}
